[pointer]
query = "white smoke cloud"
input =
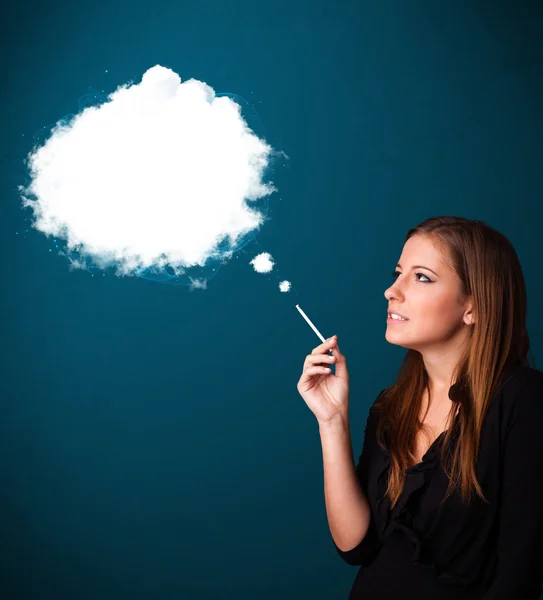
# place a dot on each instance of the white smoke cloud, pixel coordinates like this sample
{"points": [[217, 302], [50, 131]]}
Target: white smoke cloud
{"points": [[262, 263], [284, 286], [160, 174]]}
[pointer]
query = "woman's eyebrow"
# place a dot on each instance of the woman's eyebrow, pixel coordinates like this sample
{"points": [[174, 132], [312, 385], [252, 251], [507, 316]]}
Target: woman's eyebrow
{"points": [[419, 267]]}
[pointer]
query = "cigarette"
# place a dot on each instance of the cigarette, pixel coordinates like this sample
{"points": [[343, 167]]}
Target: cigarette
{"points": [[310, 323]]}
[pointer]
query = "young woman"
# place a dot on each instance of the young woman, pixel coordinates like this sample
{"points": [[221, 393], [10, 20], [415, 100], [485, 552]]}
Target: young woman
{"points": [[446, 500]]}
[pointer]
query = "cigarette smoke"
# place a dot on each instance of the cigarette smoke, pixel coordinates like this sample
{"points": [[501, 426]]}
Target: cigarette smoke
{"points": [[163, 178]]}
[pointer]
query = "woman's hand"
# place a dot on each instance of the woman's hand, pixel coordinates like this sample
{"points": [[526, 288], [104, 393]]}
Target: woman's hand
{"points": [[327, 395]]}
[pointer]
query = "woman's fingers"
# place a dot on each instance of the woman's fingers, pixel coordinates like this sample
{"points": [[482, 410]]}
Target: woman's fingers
{"points": [[325, 346], [315, 363], [317, 371], [315, 359]]}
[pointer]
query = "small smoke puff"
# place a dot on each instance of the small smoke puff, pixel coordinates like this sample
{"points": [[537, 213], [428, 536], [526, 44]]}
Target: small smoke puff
{"points": [[262, 263], [159, 175], [76, 264], [284, 286], [197, 284]]}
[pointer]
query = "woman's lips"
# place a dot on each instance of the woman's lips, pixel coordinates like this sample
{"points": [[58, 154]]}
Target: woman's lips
{"points": [[391, 320]]}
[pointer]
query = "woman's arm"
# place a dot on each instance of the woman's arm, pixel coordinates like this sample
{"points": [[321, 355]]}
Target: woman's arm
{"points": [[345, 488], [347, 508]]}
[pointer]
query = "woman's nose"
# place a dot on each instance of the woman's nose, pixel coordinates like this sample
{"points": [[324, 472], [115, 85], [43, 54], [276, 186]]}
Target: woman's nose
{"points": [[391, 293]]}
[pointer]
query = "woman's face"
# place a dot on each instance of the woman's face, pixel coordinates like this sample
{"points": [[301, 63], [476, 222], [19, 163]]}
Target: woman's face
{"points": [[426, 291]]}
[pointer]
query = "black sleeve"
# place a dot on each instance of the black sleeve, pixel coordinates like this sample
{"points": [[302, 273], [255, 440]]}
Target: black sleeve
{"points": [[519, 572], [367, 547]]}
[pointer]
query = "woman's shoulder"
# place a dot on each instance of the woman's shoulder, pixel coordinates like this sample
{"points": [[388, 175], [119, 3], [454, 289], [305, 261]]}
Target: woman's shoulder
{"points": [[522, 393], [522, 379], [374, 411], [375, 407]]}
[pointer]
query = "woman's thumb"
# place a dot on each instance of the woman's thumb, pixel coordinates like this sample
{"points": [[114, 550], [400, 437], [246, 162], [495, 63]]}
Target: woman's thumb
{"points": [[341, 363]]}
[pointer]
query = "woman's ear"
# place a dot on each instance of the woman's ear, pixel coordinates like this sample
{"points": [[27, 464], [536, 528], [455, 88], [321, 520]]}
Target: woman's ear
{"points": [[469, 317]]}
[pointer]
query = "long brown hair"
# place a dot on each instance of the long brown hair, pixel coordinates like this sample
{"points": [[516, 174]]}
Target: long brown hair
{"points": [[490, 272]]}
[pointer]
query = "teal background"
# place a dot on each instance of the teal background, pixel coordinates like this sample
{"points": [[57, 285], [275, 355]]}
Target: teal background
{"points": [[152, 440]]}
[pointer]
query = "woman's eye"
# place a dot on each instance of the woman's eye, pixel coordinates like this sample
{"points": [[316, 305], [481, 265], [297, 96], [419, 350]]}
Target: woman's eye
{"points": [[396, 273]]}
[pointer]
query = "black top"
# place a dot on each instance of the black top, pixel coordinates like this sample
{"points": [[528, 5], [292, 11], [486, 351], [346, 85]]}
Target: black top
{"points": [[493, 550]]}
